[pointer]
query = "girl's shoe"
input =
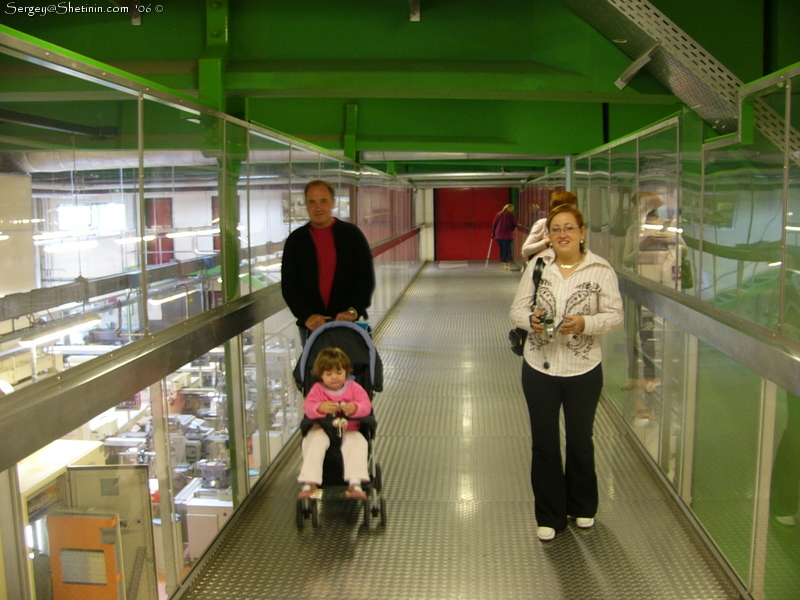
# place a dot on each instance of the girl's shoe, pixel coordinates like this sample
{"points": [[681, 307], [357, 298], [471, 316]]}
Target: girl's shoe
{"points": [[585, 522], [356, 492], [307, 491]]}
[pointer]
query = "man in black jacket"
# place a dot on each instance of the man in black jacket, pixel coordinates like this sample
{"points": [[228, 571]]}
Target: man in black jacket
{"points": [[327, 271]]}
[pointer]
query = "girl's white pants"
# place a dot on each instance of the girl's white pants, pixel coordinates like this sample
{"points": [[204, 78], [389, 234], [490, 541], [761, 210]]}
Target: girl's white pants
{"points": [[354, 455]]}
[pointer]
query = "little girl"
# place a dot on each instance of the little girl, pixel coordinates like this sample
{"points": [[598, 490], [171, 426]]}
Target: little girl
{"points": [[341, 397]]}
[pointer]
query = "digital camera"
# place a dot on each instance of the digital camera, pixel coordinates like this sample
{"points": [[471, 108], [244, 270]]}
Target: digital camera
{"points": [[550, 329]]}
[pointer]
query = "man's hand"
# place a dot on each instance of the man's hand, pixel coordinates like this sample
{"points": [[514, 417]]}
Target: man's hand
{"points": [[315, 321]]}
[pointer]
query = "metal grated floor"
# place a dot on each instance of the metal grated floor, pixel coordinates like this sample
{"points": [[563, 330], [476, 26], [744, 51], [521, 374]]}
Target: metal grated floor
{"points": [[454, 445]]}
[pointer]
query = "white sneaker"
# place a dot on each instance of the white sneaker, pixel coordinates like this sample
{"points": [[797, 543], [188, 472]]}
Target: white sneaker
{"points": [[584, 522], [546, 533]]}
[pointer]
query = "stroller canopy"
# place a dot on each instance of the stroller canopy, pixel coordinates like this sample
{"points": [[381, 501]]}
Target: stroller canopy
{"points": [[355, 342]]}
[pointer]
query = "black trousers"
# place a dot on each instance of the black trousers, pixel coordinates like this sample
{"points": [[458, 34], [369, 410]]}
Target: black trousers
{"points": [[570, 490]]}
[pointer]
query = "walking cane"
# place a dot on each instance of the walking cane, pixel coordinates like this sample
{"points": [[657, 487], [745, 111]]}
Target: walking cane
{"points": [[488, 253]]}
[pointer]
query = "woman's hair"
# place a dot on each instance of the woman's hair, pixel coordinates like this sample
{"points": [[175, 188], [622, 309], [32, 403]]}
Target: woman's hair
{"points": [[508, 208], [329, 359], [561, 197]]}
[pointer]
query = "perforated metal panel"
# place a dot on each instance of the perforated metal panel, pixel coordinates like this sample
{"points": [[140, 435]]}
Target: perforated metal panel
{"points": [[678, 62], [454, 444]]}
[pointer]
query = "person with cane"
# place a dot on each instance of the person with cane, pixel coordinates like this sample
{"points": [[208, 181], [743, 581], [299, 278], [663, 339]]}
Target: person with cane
{"points": [[503, 227]]}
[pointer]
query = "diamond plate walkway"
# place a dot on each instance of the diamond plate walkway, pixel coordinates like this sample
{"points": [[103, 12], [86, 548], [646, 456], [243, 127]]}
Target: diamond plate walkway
{"points": [[454, 445]]}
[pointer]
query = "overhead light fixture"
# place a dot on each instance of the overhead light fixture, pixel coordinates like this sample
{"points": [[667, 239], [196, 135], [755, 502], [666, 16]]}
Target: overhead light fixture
{"points": [[70, 246], [414, 8], [171, 297], [634, 68], [193, 233], [4, 237], [134, 240], [59, 329]]}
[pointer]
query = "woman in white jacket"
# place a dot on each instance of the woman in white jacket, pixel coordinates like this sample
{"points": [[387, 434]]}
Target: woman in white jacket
{"points": [[578, 299]]}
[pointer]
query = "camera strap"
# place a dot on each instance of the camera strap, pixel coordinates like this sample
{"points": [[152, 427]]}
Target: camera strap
{"points": [[537, 277]]}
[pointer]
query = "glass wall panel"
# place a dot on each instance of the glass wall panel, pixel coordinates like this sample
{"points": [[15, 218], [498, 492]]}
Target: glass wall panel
{"points": [[394, 271], [595, 201], [791, 315], [611, 217], [375, 207], [268, 213], [742, 224], [783, 545], [305, 166], [582, 179], [726, 453], [68, 173], [273, 404], [645, 369], [653, 246], [691, 199], [182, 177]]}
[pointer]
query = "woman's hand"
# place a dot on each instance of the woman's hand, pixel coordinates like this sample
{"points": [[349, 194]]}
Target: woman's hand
{"points": [[536, 322], [572, 324]]}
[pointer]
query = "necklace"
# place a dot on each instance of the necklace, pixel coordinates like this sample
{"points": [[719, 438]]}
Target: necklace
{"points": [[573, 265]]}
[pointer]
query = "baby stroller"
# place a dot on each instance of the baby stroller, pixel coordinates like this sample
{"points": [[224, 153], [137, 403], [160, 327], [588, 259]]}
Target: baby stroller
{"points": [[354, 340]]}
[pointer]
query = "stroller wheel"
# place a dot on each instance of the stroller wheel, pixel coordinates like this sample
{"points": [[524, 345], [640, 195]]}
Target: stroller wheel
{"points": [[383, 511], [300, 514], [314, 513], [367, 513], [378, 477]]}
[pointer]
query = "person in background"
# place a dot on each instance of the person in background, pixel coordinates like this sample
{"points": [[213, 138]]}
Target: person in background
{"points": [[327, 272], [637, 255], [578, 299], [538, 239], [503, 227]]}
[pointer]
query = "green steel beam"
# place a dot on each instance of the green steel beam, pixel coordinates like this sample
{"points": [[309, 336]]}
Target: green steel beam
{"points": [[51, 56], [212, 63]]}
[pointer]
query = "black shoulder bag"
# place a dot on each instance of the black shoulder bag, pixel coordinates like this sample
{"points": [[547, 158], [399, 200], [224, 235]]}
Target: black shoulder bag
{"points": [[518, 336]]}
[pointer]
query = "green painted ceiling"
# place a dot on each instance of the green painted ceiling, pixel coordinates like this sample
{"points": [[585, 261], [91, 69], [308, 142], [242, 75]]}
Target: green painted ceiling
{"points": [[504, 77]]}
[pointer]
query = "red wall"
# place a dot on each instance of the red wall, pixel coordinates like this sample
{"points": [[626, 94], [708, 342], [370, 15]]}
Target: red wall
{"points": [[463, 222]]}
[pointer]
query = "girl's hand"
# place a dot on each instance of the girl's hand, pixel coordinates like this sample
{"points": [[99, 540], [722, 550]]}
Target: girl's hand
{"points": [[572, 324], [328, 408], [349, 408]]}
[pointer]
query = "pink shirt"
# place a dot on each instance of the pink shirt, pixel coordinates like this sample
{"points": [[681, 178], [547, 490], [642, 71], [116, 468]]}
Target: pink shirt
{"points": [[351, 392]]}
